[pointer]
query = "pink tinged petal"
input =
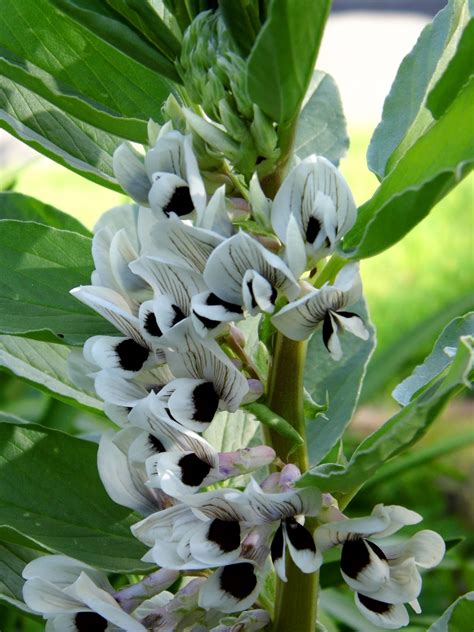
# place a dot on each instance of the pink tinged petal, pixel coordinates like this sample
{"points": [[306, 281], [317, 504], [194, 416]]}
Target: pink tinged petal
{"points": [[102, 603], [230, 589], [129, 170], [255, 392], [288, 476], [244, 460], [385, 615], [301, 546], [363, 565]]}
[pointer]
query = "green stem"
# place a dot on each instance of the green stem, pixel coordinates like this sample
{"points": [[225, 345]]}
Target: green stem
{"points": [[296, 599]]}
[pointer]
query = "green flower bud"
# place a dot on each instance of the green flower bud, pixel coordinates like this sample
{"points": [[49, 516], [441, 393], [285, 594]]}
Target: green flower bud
{"points": [[263, 132], [231, 120]]}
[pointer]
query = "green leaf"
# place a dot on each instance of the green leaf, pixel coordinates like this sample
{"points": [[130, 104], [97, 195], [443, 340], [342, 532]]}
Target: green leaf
{"points": [[282, 59], [50, 491], [405, 115], [242, 21], [60, 136], [13, 559], [342, 607], [126, 80], [437, 361], [23, 207], [40, 265], [231, 431], [414, 344], [276, 423], [66, 98], [322, 127], [458, 617], [339, 382], [425, 174], [397, 434], [143, 16], [45, 366]]}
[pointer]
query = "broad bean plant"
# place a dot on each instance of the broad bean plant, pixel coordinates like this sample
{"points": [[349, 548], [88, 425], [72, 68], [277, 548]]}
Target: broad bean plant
{"points": [[215, 323]]}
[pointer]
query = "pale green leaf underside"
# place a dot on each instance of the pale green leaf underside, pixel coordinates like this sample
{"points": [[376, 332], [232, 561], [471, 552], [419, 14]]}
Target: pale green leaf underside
{"points": [[458, 617], [13, 559]]}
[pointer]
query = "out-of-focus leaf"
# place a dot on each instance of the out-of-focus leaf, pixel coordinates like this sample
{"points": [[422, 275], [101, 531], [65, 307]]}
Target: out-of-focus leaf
{"points": [[121, 79], [341, 606], [322, 127], [23, 207], [425, 174], [397, 434], [282, 59], [50, 491], [412, 344], [231, 431], [13, 559], [437, 361], [60, 136], [458, 617], [242, 21], [405, 116], [44, 365], [276, 423], [40, 265], [339, 382]]}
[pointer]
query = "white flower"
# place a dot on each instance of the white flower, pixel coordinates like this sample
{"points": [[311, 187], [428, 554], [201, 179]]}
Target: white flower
{"points": [[326, 306], [167, 178], [384, 576], [73, 596], [312, 211], [241, 271]]}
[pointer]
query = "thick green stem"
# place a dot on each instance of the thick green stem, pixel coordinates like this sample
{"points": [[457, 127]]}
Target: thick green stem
{"points": [[296, 599]]}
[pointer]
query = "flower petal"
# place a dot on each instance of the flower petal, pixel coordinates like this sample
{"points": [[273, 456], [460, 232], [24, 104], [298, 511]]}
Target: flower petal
{"points": [[363, 565], [302, 547], [278, 553], [218, 542], [426, 547], [385, 615], [232, 588], [129, 170]]}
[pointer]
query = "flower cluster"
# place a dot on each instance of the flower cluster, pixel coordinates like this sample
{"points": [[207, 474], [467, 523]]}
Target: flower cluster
{"points": [[175, 274]]}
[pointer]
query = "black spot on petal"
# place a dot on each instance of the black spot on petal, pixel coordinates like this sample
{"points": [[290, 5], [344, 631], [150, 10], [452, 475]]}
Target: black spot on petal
{"points": [[328, 330], [151, 326], [156, 444], [207, 322], [90, 622], [180, 203], [312, 229], [347, 314], [238, 580], [178, 315], [212, 299], [377, 550], [273, 295], [380, 607], [299, 537], [277, 544], [132, 356], [226, 534], [355, 557], [205, 401], [252, 295], [193, 470]]}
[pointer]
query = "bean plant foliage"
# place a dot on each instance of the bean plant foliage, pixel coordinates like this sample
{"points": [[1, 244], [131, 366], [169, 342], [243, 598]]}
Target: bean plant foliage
{"points": [[214, 329]]}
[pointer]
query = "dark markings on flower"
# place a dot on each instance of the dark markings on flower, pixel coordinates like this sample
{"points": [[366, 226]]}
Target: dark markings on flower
{"points": [[226, 534], [156, 444], [151, 326], [312, 229], [212, 299], [205, 401], [277, 544], [207, 322], [347, 314], [238, 580], [377, 550], [168, 412], [90, 622], [355, 557], [180, 202], [132, 356], [152, 621], [299, 537], [252, 295], [273, 295], [328, 330], [380, 607], [178, 315], [259, 159], [193, 470]]}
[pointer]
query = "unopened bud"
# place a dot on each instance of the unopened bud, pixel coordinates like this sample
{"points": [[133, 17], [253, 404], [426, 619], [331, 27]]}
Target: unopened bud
{"points": [[263, 132], [232, 121]]}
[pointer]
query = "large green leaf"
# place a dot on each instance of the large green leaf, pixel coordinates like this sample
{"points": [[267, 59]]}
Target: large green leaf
{"points": [[50, 491], [282, 59], [438, 360], [231, 431], [40, 265], [397, 434], [60, 136], [405, 115], [425, 174], [13, 559], [44, 365], [118, 75], [458, 617], [242, 20], [66, 98], [322, 127], [339, 382], [23, 207]]}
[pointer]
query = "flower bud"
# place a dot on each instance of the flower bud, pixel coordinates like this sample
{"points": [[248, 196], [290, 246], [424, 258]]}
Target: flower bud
{"points": [[232, 121], [263, 132]]}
